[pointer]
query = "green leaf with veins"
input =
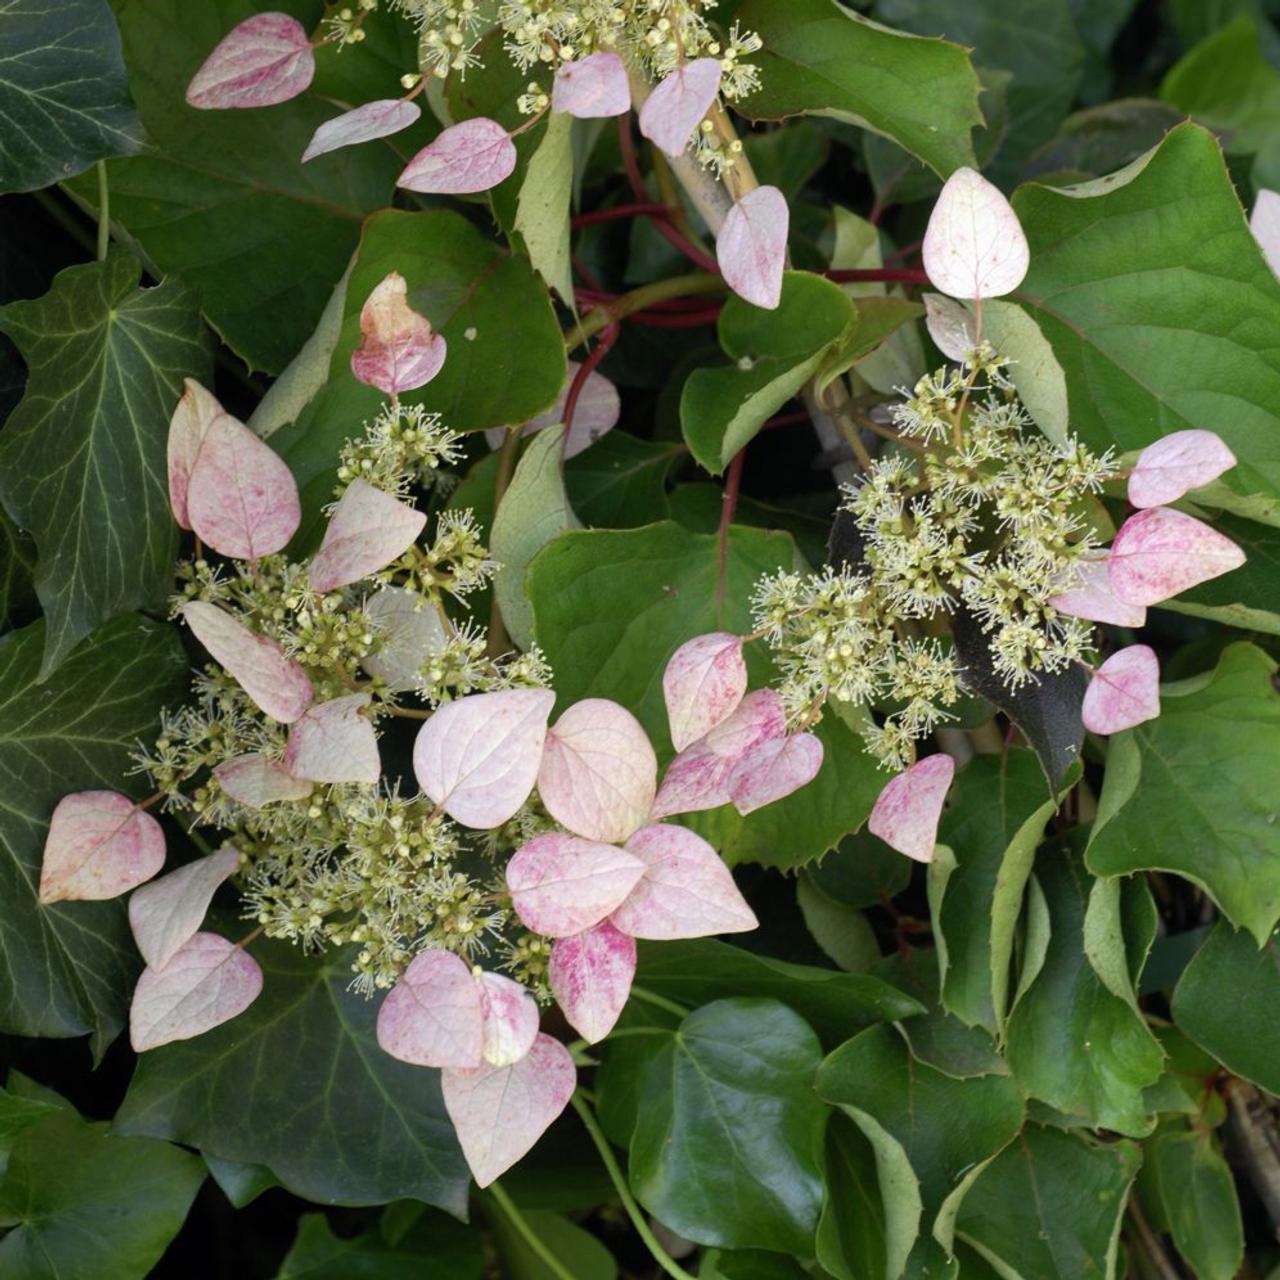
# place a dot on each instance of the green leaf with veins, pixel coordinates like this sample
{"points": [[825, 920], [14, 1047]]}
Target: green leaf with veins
{"points": [[1193, 792], [69, 967], [342, 1123], [620, 482], [64, 97], [82, 459], [17, 575], [433, 1245], [223, 199]]}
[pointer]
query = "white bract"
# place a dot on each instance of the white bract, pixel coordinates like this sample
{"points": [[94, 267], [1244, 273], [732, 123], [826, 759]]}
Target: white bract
{"points": [[974, 245]]}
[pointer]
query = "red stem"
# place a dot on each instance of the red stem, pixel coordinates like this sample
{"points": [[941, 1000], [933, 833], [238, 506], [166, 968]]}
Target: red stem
{"points": [[786, 420], [685, 320], [907, 251], [884, 275], [627, 146], [608, 336], [728, 505], [619, 211]]}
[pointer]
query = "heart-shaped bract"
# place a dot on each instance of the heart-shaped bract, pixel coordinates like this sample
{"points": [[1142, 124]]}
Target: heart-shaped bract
{"points": [[255, 780], [561, 885], [260, 62], [367, 531], [205, 983], [592, 87], [500, 1112], [1124, 691], [164, 914], [508, 1018], [398, 350], [100, 845], [408, 630], [598, 775], [590, 975], [365, 123], [433, 1017], [677, 106], [334, 742], [773, 770], [686, 890], [906, 813], [195, 411], [1092, 597], [751, 246], [702, 685], [950, 326], [596, 414], [478, 757], [1176, 464], [277, 684], [468, 157], [974, 245], [1160, 552]]}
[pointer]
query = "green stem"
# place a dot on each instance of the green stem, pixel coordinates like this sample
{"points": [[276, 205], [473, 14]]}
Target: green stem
{"points": [[598, 318], [634, 1212], [104, 211], [499, 639], [659, 1002], [527, 1233]]}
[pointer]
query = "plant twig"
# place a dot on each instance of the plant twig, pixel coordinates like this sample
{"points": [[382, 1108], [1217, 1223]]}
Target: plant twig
{"points": [[104, 211], [625, 304]]}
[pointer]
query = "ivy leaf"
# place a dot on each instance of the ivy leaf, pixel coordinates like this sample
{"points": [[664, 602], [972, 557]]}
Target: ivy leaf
{"points": [[1050, 1204], [345, 1124], [106, 364], [433, 1244], [1222, 999], [1075, 1036], [1116, 247], [222, 199], [947, 1129], [726, 1148], [774, 353], [821, 59], [85, 1204], [17, 575], [871, 1213], [64, 97], [1191, 791], [70, 965]]}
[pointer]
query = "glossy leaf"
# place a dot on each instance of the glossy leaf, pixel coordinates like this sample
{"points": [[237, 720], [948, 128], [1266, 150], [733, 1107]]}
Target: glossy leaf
{"points": [[974, 246], [702, 685], [478, 757], [334, 741], [106, 362], [472, 156], [100, 845], [434, 1016], [678, 104], [908, 810], [590, 975], [276, 683], [431, 1240], [206, 982], [500, 1112], [592, 87], [397, 351], [262, 61], [371, 120], [167, 912], [367, 531], [1124, 691], [561, 885]]}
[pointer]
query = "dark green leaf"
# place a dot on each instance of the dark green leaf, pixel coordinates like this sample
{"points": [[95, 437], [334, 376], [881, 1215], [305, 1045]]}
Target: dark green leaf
{"points": [[749, 1264], [433, 1245], [620, 482], [728, 1139], [1147, 346], [64, 98], [242, 1184], [1049, 1205], [774, 353], [1190, 1193], [1075, 1037], [297, 1083], [577, 1251], [1192, 792], [82, 460], [86, 1205], [862, 871], [856, 1215], [1105, 138], [17, 575], [69, 966], [1225, 1002], [16, 1115], [822, 59], [947, 1129], [835, 1004], [994, 822], [222, 199], [843, 932]]}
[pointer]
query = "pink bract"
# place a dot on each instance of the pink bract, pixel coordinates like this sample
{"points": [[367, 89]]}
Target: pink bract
{"points": [[1265, 225], [100, 845], [907, 811], [164, 914], [207, 982], [751, 247], [434, 1016], [277, 684], [468, 157], [409, 630], [774, 769], [334, 742], [677, 106], [598, 775], [590, 975], [974, 246], [596, 413], [950, 326], [592, 88], [478, 757], [1176, 464], [686, 890], [561, 885], [367, 531], [500, 1112], [1092, 597], [1159, 553], [378, 119], [703, 684], [398, 350], [509, 1019], [195, 411], [1124, 691], [262, 61], [255, 780]]}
